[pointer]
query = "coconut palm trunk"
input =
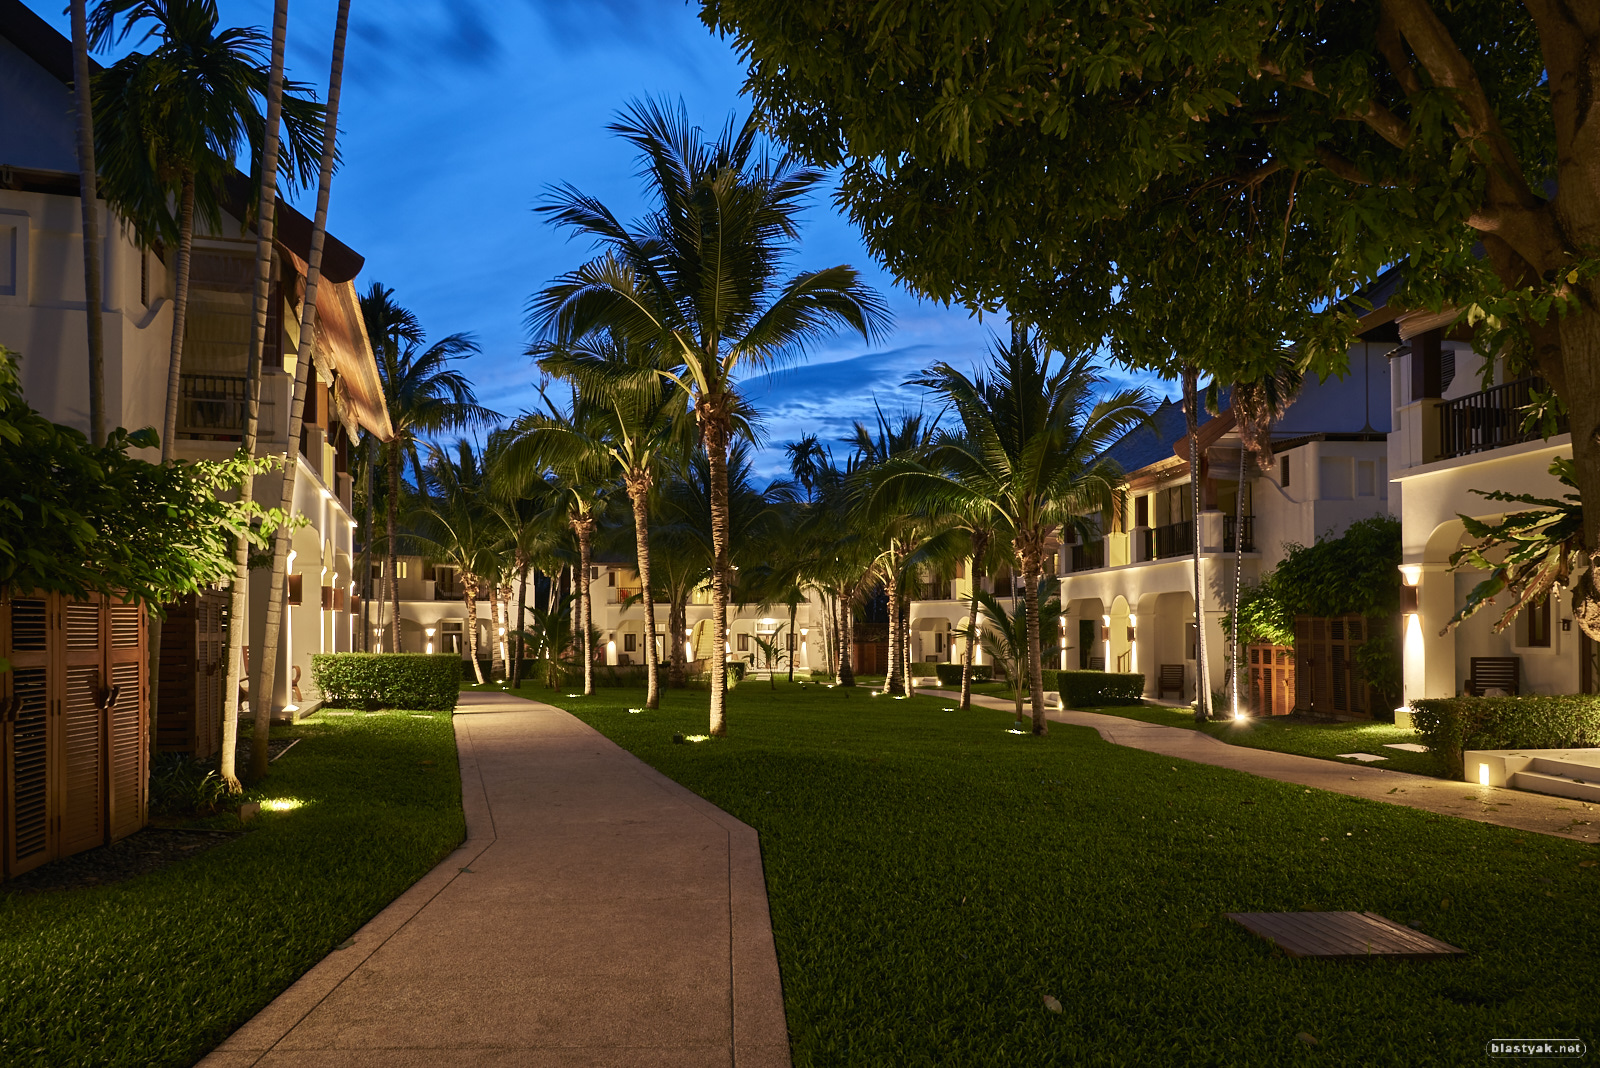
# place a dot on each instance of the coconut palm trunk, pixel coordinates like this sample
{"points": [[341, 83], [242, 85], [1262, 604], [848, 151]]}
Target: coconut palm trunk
{"points": [[894, 670], [366, 549], [392, 573], [469, 590], [677, 618], [522, 623], [639, 495], [497, 664], [239, 602], [794, 645], [583, 526], [266, 667], [89, 201], [1031, 557], [980, 545], [1238, 575], [714, 419], [907, 656], [1202, 672], [847, 640]]}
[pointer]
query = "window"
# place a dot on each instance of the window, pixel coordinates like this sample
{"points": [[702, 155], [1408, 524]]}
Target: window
{"points": [[744, 643], [1189, 642], [611, 577], [1141, 511], [451, 634], [594, 574], [938, 641], [788, 642], [144, 277], [1283, 471], [1336, 479], [630, 642], [1366, 479], [1539, 623], [401, 569]]}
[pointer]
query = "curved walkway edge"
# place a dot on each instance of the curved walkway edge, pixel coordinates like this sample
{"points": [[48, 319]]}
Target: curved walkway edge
{"points": [[597, 914], [1541, 814]]}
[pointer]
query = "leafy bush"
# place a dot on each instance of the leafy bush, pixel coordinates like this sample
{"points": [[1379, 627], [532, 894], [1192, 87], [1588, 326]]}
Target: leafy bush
{"points": [[1085, 689], [950, 674], [1453, 725], [737, 670], [423, 681], [182, 787]]}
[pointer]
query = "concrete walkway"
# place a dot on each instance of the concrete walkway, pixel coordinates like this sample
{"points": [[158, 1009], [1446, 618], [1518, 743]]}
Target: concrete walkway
{"points": [[1558, 816], [598, 914]]}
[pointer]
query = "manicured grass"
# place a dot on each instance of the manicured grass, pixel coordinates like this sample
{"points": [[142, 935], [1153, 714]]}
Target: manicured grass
{"points": [[157, 970], [933, 877], [1326, 740]]}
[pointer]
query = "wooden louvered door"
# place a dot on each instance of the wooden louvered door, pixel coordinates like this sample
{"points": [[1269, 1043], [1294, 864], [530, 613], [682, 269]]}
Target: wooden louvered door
{"points": [[80, 727], [25, 702], [126, 732]]}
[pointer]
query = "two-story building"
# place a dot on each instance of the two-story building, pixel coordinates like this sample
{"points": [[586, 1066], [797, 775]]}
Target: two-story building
{"points": [[43, 313]]}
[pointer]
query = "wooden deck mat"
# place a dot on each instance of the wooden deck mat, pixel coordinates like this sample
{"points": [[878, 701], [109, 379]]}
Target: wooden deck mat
{"points": [[1341, 935]]}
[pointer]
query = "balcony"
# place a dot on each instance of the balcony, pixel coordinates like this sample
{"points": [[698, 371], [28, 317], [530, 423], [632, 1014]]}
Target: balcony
{"points": [[1230, 526], [1491, 419], [935, 590], [623, 594], [213, 408], [1089, 556], [1174, 539]]}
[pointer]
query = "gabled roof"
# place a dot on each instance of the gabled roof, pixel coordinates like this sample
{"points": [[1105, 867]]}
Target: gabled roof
{"points": [[1153, 441]]}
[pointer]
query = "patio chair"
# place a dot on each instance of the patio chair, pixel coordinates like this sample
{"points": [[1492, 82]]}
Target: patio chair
{"points": [[1502, 673], [1170, 678]]}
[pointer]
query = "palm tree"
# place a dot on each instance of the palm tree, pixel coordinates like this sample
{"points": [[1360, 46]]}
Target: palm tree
{"points": [[171, 123], [1032, 445], [1257, 401], [457, 526], [266, 666], [640, 419], [424, 396], [1008, 640], [699, 277], [533, 532]]}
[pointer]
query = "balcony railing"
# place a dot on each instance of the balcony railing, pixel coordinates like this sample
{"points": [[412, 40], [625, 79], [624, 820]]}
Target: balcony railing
{"points": [[1230, 525], [1491, 419], [623, 593], [1089, 556], [213, 407], [1174, 539], [936, 590]]}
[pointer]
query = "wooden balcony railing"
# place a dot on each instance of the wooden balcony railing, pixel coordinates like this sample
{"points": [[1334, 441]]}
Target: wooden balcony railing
{"points": [[1490, 419], [1174, 539], [213, 407], [1089, 555], [1230, 526]]}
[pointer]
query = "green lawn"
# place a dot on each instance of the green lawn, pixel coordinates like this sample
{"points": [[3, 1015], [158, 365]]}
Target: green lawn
{"points": [[157, 970], [933, 877], [1326, 740]]}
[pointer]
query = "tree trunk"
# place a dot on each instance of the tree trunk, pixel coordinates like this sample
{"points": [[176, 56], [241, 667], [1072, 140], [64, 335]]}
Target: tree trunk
{"points": [[639, 494], [497, 665], [980, 546], [469, 587], [239, 602], [847, 639], [1238, 574], [893, 676], [794, 650], [584, 526], [366, 548], [712, 410], [392, 523], [677, 619], [265, 681], [907, 657], [522, 619], [1031, 566], [1202, 673], [89, 201], [180, 316]]}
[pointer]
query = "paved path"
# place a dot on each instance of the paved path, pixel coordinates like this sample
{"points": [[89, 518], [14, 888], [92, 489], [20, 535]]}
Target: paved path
{"points": [[598, 914], [1559, 816]]}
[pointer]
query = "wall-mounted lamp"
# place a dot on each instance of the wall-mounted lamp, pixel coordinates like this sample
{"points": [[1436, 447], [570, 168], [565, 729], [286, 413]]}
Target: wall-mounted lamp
{"points": [[429, 631]]}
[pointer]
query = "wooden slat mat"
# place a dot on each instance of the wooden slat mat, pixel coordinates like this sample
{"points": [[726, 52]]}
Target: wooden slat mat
{"points": [[1342, 934]]}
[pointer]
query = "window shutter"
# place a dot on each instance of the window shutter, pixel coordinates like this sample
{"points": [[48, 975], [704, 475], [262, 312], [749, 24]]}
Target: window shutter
{"points": [[294, 589], [126, 709], [81, 732]]}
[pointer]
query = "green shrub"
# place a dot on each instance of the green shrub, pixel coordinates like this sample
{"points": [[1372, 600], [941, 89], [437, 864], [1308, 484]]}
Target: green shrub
{"points": [[950, 674], [182, 787], [425, 682], [1452, 725], [737, 670], [1085, 689]]}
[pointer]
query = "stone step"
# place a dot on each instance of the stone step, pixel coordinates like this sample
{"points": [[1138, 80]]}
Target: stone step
{"points": [[1557, 785], [1565, 769]]}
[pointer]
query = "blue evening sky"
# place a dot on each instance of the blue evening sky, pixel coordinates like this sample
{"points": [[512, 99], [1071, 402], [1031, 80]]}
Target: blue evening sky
{"points": [[458, 114]]}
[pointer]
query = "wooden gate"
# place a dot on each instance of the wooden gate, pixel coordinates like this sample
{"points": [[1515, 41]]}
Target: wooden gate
{"points": [[189, 714], [1326, 681], [1271, 679], [74, 748]]}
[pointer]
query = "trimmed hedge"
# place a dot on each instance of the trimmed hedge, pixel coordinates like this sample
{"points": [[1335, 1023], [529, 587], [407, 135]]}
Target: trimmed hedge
{"points": [[422, 681], [1085, 689], [950, 674], [1453, 725]]}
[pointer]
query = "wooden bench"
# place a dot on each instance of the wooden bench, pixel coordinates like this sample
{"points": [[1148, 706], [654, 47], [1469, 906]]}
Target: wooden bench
{"points": [[1170, 678], [1494, 673], [1097, 663]]}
